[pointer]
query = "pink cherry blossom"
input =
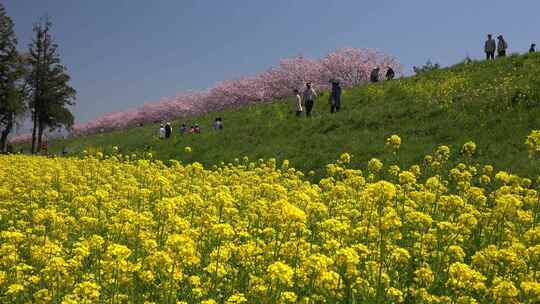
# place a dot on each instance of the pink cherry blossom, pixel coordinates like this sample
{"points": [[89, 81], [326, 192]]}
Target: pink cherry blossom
{"points": [[351, 66]]}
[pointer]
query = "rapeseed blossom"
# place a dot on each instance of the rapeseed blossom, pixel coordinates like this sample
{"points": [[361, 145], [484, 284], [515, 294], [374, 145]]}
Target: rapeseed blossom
{"points": [[533, 143], [393, 142], [106, 228]]}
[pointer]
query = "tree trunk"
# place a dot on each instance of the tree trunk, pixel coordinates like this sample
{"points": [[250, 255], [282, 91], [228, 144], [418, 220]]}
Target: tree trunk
{"points": [[40, 136], [34, 129], [5, 133]]}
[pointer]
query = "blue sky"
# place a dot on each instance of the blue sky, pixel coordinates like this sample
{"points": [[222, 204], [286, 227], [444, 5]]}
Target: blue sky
{"points": [[122, 53]]}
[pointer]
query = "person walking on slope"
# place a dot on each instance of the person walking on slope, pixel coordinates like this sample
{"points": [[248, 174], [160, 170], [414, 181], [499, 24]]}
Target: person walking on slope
{"points": [[218, 124], [168, 130], [335, 97], [374, 77], [489, 48], [501, 46], [390, 74], [183, 129], [298, 103], [309, 98], [533, 48], [161, 132]]}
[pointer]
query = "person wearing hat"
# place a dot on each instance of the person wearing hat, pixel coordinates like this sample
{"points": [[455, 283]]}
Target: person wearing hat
{"points": [[309, 98], [502, 46], [533, 48], [489, 48], [335, 97]]}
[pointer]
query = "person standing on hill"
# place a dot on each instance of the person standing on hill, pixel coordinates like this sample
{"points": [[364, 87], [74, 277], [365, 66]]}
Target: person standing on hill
{"points": [[533, 48], [489, 48], [502, 46], [183, 129], [168, 130], [297, 103], [218, 124], [335, 97], [390, 74], [309, 98], [161, 132], [374, 77]]}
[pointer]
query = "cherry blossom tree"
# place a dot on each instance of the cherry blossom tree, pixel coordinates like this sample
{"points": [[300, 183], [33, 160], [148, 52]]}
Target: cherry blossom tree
{"points": [[351, 66]]}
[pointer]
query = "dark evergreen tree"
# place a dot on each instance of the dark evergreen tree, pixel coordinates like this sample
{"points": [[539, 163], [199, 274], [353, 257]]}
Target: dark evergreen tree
{"points": [[11, 102], [50, 92]]}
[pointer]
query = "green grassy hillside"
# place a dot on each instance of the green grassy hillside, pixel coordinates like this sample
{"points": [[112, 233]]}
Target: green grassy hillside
{"points": [[495, 104]]}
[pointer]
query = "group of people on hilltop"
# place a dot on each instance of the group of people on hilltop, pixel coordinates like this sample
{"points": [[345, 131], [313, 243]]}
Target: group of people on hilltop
{"points": [[304, 102], [501, 46], [374, 77], [491, 46], [165, 130]]}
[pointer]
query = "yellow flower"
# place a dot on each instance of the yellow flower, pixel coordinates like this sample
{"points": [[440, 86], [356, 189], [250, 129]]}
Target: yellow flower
{"points": [[503, 291], [375, 165], [531, 290], [87, 230], [14, 289], [236, 298], [442, 153], [393, 142], [533, 143], [288, 297], [345, 158], [280, 273], [469, 148]]}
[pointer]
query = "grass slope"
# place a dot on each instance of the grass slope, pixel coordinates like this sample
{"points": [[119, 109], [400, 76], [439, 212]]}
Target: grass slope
{"points": [[495, 104]]}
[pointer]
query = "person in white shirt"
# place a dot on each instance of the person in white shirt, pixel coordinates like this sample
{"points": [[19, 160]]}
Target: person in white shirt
{"points": [[297, 102], [309, 98], [161, 132]]}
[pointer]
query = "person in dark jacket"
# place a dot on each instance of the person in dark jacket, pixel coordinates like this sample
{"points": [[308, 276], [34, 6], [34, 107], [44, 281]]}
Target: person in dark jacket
{"points": [[502, 46], [533, 48], [489, 48], [168, 130], [390, 74], [374, 77], [335, 97]]}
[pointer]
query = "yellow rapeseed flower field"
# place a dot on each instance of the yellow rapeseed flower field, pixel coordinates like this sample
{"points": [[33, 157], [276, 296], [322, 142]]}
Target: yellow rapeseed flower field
{"points": [[117, 229]]}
